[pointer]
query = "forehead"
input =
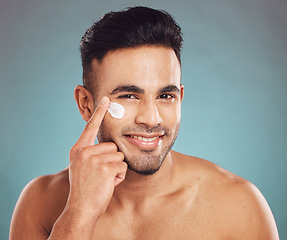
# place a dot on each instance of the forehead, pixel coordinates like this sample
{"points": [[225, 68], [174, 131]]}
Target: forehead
{"points": [[149, 67]]}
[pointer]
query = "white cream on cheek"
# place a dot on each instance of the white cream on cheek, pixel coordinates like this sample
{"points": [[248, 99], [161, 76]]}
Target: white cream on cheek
{"points": [[116, 110]]}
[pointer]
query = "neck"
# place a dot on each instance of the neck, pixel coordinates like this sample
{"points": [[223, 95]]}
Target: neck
{"points": [[139, 188]]}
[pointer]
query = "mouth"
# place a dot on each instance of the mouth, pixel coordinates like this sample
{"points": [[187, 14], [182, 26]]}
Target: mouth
{"points": [[145, 141]]}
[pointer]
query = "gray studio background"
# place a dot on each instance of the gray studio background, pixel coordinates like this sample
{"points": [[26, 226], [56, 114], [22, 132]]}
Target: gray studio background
{"points": [[234, 71]]}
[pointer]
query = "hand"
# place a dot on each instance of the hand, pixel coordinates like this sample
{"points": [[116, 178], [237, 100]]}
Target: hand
{"points": [[94, 169]]}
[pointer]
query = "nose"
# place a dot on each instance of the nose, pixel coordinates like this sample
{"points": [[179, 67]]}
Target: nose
{"points": [[148, 114]]}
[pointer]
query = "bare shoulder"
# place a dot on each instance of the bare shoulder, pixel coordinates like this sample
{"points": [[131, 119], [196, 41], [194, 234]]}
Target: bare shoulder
{"points": [[234, 202], [39, 205]]}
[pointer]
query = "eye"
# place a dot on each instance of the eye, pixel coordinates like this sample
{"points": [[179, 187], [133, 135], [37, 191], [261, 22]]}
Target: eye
{"points": [[129, 96], [166, 96]]}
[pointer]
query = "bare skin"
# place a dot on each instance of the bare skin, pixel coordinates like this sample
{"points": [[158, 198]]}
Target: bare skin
{"points": [[97, 197]]}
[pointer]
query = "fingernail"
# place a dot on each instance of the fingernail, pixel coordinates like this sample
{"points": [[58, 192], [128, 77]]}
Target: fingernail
{"points": [[104, 100]]}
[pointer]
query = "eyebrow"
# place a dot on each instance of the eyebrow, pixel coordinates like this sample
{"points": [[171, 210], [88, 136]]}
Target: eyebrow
{"points": [[127, 88], [169, 88], [136, 89]]}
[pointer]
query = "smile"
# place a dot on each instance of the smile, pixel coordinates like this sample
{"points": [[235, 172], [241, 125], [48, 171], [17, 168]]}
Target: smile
{"points": [[145, 141], [144, 138]]}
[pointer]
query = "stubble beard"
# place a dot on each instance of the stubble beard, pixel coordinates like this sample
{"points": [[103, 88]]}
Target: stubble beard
{"points": [[147, 162]]}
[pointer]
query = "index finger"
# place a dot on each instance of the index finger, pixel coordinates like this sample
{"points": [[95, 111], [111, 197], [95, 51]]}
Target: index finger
{"points": [[89, 134]]}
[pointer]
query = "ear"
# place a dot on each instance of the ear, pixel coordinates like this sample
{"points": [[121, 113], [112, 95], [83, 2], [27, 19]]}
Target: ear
{"points": [[181, 92], [84, 101]]}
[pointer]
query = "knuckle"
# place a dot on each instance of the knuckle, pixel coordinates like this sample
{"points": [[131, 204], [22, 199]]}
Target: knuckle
{"points": [[109, 146], [91, 124], [73, 153], [120, 155], [113, 147], [83, 153], [104, 168], [125, 165], [73, 150], [94, 163]]}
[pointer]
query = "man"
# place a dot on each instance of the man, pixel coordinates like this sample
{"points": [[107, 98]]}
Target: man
{"points": [[131, 185]]}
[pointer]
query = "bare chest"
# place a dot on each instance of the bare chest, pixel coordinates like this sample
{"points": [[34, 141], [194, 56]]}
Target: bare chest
{"points": [[164, 223]]}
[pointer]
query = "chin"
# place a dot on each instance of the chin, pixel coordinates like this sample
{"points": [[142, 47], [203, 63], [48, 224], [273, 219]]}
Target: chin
{"points": [[146, 163], [147, 172], [147, 168]]}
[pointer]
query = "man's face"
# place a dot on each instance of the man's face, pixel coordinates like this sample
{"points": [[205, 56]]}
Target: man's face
{"points": [[146, 82]]}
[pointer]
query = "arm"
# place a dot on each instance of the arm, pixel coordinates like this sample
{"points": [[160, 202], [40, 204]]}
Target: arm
{"points": [[94, 171], [264, 225], [28, 216], [249, 214]]}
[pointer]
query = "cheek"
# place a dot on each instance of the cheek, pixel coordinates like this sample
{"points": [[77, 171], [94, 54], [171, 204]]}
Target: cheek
{"points": [[106, 129], [130, 111], [171, 114], [110, 123], [111, 126]]}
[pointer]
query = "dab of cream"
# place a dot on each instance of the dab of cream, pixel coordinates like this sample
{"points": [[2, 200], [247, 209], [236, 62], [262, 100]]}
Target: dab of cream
{"points": [[116, 110]]}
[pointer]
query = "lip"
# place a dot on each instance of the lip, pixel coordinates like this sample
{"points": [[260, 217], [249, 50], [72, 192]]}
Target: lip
{"points": [[145, 141]]}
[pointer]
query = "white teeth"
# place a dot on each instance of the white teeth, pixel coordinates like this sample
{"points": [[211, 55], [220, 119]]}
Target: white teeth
{"points": [[145, 139]]}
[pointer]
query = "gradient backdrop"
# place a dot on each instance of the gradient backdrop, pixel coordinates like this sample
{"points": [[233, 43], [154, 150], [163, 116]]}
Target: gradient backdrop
{"points": [[234, 72]]}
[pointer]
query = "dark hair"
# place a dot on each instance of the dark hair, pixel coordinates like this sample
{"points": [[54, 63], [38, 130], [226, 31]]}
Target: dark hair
{"points": [[132, 27]]}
